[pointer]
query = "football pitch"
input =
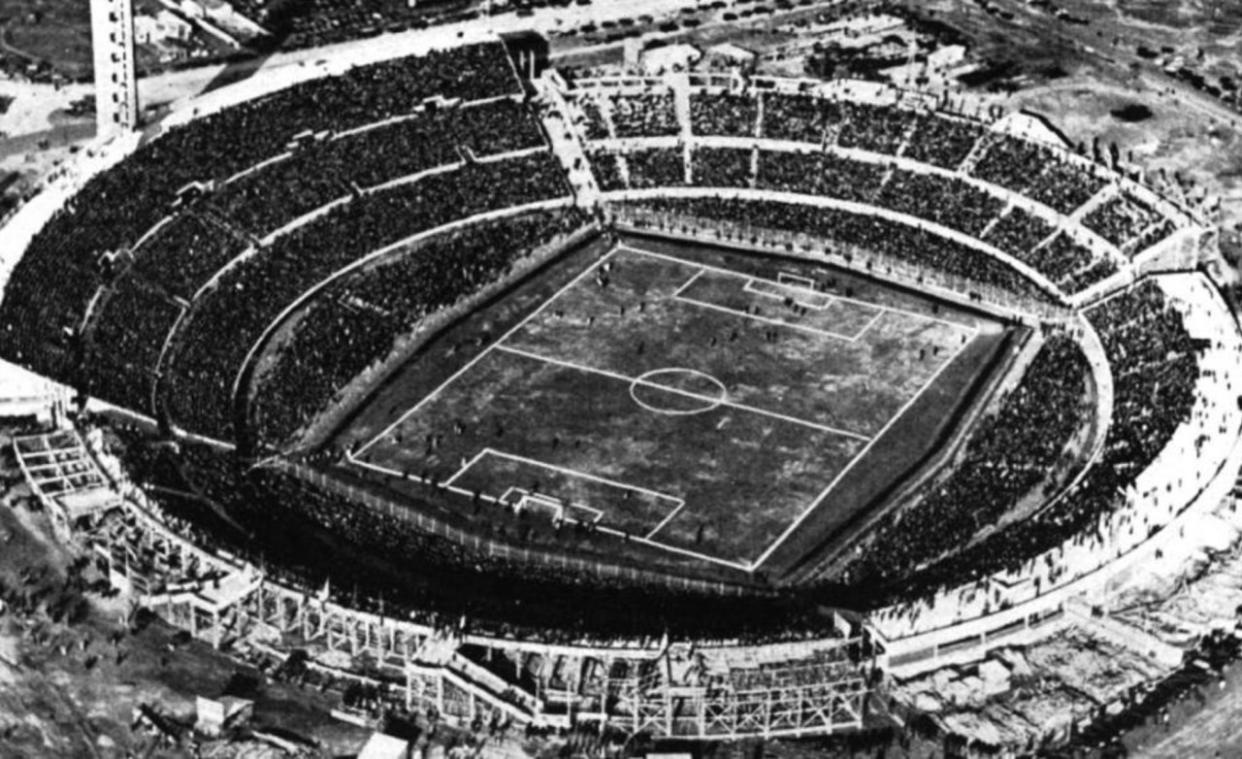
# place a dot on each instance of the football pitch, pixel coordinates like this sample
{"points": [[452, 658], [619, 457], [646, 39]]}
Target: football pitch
{"points": [[686, 405]]}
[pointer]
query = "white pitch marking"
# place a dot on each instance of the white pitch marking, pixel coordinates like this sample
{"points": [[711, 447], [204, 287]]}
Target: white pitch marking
{"points": [[679, 391], [764, 319], [858, 335], [790, 279], [859, 456], [668, 518], [585, 475], [749, 287], [708, 267], [688, 283], [470, 364], [466, 466]]}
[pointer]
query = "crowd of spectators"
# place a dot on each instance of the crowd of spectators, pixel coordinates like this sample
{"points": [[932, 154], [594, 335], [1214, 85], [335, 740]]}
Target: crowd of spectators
{"points": [[1018, 233], [125, 341], [861, 232], [945, 200], [1122, 220], [1009, 162], [819, 174], [1036, 172], [1152, 235], [607, 169], [1154, 363], [942, 140], [60, 271], [326, 170], [355, 322], [305, 536], [595, 126], [1063, 186], [878, 129], [1080, 280], [184, 254], [647, 114], [722, 167], [1069, 264], [800, 118], [657, 167], [723, 114], [1010, 455], [226, 322]]}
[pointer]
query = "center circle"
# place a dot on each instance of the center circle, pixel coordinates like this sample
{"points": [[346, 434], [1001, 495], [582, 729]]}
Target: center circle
{"points": [[677, 391]]}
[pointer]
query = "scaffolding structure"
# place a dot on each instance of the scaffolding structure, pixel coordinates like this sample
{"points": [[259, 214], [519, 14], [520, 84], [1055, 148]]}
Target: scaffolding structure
{"points": [[478, 679], [661, 687]]}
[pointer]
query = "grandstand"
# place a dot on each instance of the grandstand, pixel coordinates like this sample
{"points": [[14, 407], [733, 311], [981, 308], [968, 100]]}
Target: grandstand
{"points": [[780, 349]]}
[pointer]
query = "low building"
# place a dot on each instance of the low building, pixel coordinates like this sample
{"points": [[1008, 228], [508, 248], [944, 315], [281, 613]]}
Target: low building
{"points": [[665, 58], [381, 746], [214, 715], [727, 53], [165, 25]]}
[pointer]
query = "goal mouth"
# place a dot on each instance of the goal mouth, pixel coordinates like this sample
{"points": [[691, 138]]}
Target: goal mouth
{"points": [[543, 505]]}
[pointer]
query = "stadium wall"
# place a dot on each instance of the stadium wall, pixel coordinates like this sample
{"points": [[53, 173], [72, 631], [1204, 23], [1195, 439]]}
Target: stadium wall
{"points": [[746, 237], [921, 637]]}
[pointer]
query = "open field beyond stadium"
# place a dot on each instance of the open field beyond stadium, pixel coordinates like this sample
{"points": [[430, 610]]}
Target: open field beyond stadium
{"points": [[682, 404]]}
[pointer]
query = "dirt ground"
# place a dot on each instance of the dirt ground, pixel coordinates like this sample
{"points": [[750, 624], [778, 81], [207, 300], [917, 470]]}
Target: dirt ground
{"points": [[75, 666]]}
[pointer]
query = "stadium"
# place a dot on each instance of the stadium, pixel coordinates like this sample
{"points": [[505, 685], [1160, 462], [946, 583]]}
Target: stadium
{"points": [[691, 405]]}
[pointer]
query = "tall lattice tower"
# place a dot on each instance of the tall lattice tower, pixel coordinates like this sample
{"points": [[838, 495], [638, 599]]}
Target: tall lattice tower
{"points": [[116, 87]]}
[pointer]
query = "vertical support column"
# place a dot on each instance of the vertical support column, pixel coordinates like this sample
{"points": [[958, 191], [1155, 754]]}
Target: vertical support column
{"points": [[116, 85]]}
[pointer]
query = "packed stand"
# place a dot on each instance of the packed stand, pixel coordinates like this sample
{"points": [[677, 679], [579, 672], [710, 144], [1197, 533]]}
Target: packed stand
{"points": [[942, 141], [607, 169], [1009, 162], [226, 322], [1121, 220], [595, 124], [185, 253], [721, 167], [800, 118], [1066, 263], [1008, 456], [54, 280], [325, 171], [1036, 172], [724, 114], [878, 129], [1064, 187], [315, 23], [125, 342], [355, 323], [658, 167], [305, 536], [1154, 364], [872, 234], [945, 200], [1018, 233], [819, 174], [1152, 235], [648, 114], [1070, 264], [1080, 280]]}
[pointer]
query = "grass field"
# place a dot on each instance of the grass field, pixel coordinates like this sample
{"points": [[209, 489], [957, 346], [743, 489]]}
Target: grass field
{"points": [[687, 402]]}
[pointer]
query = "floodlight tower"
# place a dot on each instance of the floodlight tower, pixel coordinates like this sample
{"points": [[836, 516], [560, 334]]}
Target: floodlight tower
{"points": [[116, 87]]}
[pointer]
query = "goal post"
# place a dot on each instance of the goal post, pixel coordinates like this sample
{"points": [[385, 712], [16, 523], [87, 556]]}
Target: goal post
{"points": [[537, 503]]}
